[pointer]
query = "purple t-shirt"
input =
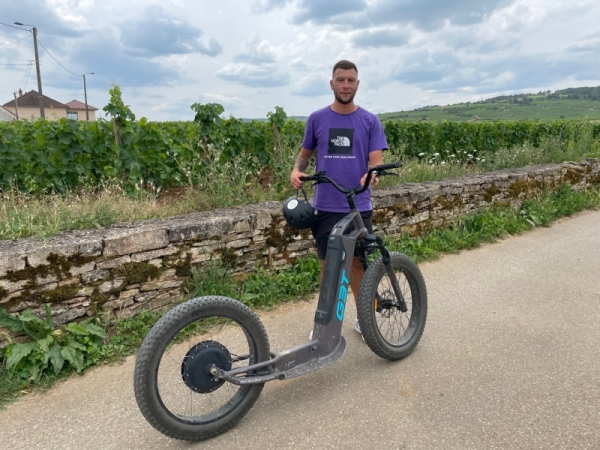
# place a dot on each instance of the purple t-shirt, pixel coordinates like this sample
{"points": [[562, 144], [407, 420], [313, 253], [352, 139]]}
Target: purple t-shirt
{"points": [[343, 143]]}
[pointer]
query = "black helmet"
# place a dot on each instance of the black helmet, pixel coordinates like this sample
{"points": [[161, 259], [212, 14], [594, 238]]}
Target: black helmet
{"points": [[298, 213]]}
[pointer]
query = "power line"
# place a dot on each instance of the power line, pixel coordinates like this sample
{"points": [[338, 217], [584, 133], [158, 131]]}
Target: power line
{"points": [[27, 79], [12, 43], [40, 42], [7, 25], [17, 59], [14, 64]]}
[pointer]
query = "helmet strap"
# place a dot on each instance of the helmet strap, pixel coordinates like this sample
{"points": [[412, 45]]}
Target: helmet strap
{"points": [[303, 192]]}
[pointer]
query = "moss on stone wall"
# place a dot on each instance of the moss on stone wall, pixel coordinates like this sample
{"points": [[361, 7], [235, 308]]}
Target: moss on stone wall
{"points": [[58, 265], [527, 188], [572, 177], [137, 272], [51, 296], [183, 268], [277, 237], [447, 203], [228, 256], [488, 193], [380, 217]]}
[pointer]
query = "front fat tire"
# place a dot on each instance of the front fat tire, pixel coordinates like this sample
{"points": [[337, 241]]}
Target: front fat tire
{"points": [[154, 346], [409, 325]]}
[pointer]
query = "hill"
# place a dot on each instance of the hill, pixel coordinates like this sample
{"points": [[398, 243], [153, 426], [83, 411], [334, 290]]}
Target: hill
{"points": [[571, 103]]}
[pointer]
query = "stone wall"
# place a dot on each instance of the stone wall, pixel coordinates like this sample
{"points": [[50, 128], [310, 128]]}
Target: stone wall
{"points": [[127, 268]]}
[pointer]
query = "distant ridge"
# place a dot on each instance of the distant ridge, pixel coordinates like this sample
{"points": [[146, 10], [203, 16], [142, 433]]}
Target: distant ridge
{"points": [[570, 103], [301, 118]]}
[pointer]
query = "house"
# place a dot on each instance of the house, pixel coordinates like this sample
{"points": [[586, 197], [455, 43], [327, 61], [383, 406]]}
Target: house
{"points": [[26, 106], [6, 115], [76, 110]]}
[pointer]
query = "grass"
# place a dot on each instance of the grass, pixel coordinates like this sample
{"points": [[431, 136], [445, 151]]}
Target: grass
{"points": [[262, 290], [551, 151], [496, 223], [232, 184]]}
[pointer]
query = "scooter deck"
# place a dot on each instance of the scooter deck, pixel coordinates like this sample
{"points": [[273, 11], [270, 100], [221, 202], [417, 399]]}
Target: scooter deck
{"points": [[317, 364]]}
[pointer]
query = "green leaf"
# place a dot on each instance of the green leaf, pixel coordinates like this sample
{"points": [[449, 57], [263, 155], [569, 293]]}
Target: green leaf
{"points": [[18, 351], [95, 329], [48, 316], [75, 328], [35, 371], [9, 321], [74, 357], [45, 343], [28, 316], [56, 358]]}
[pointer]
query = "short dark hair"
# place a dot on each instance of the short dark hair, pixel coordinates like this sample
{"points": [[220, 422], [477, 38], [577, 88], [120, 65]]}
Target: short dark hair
{"points": [[344, 65]]}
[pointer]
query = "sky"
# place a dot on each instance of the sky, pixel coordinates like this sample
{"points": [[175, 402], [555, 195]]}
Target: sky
{"points": [[253, 55]]}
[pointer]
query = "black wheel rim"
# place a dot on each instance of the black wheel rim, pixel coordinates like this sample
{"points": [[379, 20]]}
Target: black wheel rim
{"points": [[395, 327], [185, 390]]}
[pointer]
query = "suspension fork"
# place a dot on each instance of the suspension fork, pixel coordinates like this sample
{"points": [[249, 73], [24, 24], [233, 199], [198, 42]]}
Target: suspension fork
{"points": [[387, 261]]}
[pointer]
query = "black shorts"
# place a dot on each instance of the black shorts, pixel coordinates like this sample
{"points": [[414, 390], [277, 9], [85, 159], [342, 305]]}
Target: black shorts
{"points": [[321, 228]]}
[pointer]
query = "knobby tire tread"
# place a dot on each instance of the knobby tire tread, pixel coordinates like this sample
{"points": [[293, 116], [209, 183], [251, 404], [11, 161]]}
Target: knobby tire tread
{"points": [[366, 316], [167, 328]]}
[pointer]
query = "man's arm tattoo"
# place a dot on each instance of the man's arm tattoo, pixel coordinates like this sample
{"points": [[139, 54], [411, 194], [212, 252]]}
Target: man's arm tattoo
{"points": [[301, 163]]}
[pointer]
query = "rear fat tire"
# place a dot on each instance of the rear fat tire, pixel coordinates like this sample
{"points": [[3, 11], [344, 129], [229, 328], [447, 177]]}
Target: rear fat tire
{"points": [[408, 326], [146, 374]]}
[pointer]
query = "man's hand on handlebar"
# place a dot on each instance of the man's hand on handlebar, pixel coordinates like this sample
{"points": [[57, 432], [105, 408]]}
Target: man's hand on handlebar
{"points": [[295, 180], [374, 179]]}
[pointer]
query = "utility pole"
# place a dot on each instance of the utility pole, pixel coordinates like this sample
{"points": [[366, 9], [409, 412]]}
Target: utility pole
{"points": [[16, 105], [39, 76], [37, 67], [87, 116]]}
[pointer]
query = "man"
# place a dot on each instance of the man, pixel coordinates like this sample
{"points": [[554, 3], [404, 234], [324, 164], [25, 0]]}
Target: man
{"points": [[347, 140]]}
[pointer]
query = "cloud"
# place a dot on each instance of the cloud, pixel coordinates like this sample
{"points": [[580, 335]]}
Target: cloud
{"points": [[429, 14], [46, 18], [589, 43], [255, 66], [378, 38], [312, 85], [447, 72], [324, 11], [104, 55], [257, 51], [421, 67], [227, 102], [158, 33], [265, 6], [266, 75], [424, 14]]}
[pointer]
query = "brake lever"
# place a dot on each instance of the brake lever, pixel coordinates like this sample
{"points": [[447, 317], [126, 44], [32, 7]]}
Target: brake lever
{"points": [[318, 174]]}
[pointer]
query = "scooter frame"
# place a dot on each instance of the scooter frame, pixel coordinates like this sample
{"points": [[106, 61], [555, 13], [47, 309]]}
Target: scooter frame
{"points": [[327, 344]]}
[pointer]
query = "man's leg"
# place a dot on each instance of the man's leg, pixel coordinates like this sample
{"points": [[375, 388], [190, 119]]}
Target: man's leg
{"points": [[356, 277]]}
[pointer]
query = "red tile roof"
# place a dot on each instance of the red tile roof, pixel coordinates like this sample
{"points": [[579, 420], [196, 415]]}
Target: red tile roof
{"points": [[31, 99], [77, 105]]}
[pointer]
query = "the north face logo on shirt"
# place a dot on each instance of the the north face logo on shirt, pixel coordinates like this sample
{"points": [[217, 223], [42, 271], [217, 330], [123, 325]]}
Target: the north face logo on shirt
{"points": [[340, 141]]}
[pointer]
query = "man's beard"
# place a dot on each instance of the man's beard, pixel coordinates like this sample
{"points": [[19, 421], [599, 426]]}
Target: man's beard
{"points": [[341, 100]]}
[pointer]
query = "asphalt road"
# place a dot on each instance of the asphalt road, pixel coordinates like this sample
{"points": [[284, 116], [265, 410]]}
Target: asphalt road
{"points": [[510, 359]]}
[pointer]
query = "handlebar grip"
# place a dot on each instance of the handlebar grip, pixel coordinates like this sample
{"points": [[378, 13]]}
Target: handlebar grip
{"points": [[304, 178], [393, 165]]}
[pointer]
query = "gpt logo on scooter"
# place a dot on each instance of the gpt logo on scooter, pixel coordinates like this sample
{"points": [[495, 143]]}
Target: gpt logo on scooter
{"points": [[341, 305]]}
